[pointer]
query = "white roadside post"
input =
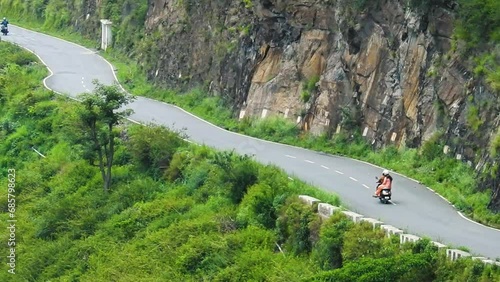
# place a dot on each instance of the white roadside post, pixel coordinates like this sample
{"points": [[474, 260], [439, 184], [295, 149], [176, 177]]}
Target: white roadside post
{"points": [[107, 36]]}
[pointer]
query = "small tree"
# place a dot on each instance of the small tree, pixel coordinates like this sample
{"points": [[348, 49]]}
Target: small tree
{"points": [[99, 113]]}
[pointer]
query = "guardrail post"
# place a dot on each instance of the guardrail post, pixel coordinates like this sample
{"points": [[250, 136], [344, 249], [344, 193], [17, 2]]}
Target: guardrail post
{"points": [[373, 221], [404, 238], [455, 254], [326, 210], [107, 36], [353, 216], [391, 230]]}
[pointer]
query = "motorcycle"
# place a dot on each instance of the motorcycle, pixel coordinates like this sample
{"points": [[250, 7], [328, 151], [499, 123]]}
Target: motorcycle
{"points": [[385, 194], [4, 30]]}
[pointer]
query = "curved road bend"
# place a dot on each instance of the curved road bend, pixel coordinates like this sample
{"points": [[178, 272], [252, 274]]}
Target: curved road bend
{"points": [[415, 209]]}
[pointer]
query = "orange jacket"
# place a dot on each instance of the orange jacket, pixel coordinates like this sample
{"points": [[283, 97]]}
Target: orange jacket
{"points": [[387, 184]]}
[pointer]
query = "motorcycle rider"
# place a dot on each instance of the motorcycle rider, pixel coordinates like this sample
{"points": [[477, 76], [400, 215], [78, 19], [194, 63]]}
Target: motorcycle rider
{"points": [[386, 183], [4, 24]]}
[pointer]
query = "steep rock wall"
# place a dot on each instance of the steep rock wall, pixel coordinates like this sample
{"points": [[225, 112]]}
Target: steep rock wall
{"points": [[386, 71]]}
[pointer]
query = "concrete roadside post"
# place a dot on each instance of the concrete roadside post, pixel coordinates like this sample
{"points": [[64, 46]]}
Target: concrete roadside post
{"points": [[107, 36]]}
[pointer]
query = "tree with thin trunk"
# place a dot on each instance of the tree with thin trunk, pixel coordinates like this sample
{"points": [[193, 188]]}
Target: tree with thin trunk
{"points": [[100, 112]]}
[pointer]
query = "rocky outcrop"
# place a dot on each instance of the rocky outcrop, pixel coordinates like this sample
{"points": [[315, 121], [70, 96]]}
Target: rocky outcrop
{"points": [[383, 70]]}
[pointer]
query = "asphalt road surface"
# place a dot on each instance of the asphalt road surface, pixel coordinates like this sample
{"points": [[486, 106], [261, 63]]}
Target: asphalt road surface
{"points": [[414, 208]]}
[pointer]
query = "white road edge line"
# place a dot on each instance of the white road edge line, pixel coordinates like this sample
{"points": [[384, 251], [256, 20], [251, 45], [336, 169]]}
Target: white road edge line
{"points": [[134, 121], [308, 161], [446, 200], [325, 167], [353, 179], [339, 172], [468, 219]]}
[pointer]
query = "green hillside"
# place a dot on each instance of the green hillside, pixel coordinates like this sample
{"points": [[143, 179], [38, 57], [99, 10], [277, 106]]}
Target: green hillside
{"points": [[175, 211], [475, 36]]}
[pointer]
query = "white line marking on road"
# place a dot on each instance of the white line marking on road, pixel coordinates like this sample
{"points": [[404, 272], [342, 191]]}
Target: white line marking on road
{"points": [[84, 86], [353, 179], [134, 121], [290, 178], [325, 167], [339, 172], [392, 203], [468, 219], [292, 157], [366, 186], [308, 161], [446, 200]]}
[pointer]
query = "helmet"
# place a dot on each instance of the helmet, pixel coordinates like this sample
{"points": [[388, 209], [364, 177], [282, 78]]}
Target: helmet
{"points": [[385, 172]]}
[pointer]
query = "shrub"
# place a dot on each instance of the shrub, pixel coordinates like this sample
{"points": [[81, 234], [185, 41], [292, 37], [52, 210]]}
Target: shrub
{"points": [[177, 165], [362, 241], [153, 147], [406, 267], [259, 206], [240, 173], [327, 253], [294, 227], [432, 147], [203, 254]]}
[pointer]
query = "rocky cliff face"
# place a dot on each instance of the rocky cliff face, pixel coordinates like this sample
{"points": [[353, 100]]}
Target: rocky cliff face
{"points": [[383, 69], [375, 67]]}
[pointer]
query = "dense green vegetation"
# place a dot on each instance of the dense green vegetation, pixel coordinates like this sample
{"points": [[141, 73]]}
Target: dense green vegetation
{"points": [[175, 211], [476, 26]]}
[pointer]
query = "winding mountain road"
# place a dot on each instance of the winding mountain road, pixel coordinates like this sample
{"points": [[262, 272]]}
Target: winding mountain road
{"points": [[415, 209]]}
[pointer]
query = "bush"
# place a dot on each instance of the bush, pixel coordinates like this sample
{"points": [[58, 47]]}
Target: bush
{"points": [[12, 54], [362, 241], [153, 147], [204, 255], [259, 206], [298, 227], [327, 253], [240, 173], [406, 267], [466, 270], [177, 165]]}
